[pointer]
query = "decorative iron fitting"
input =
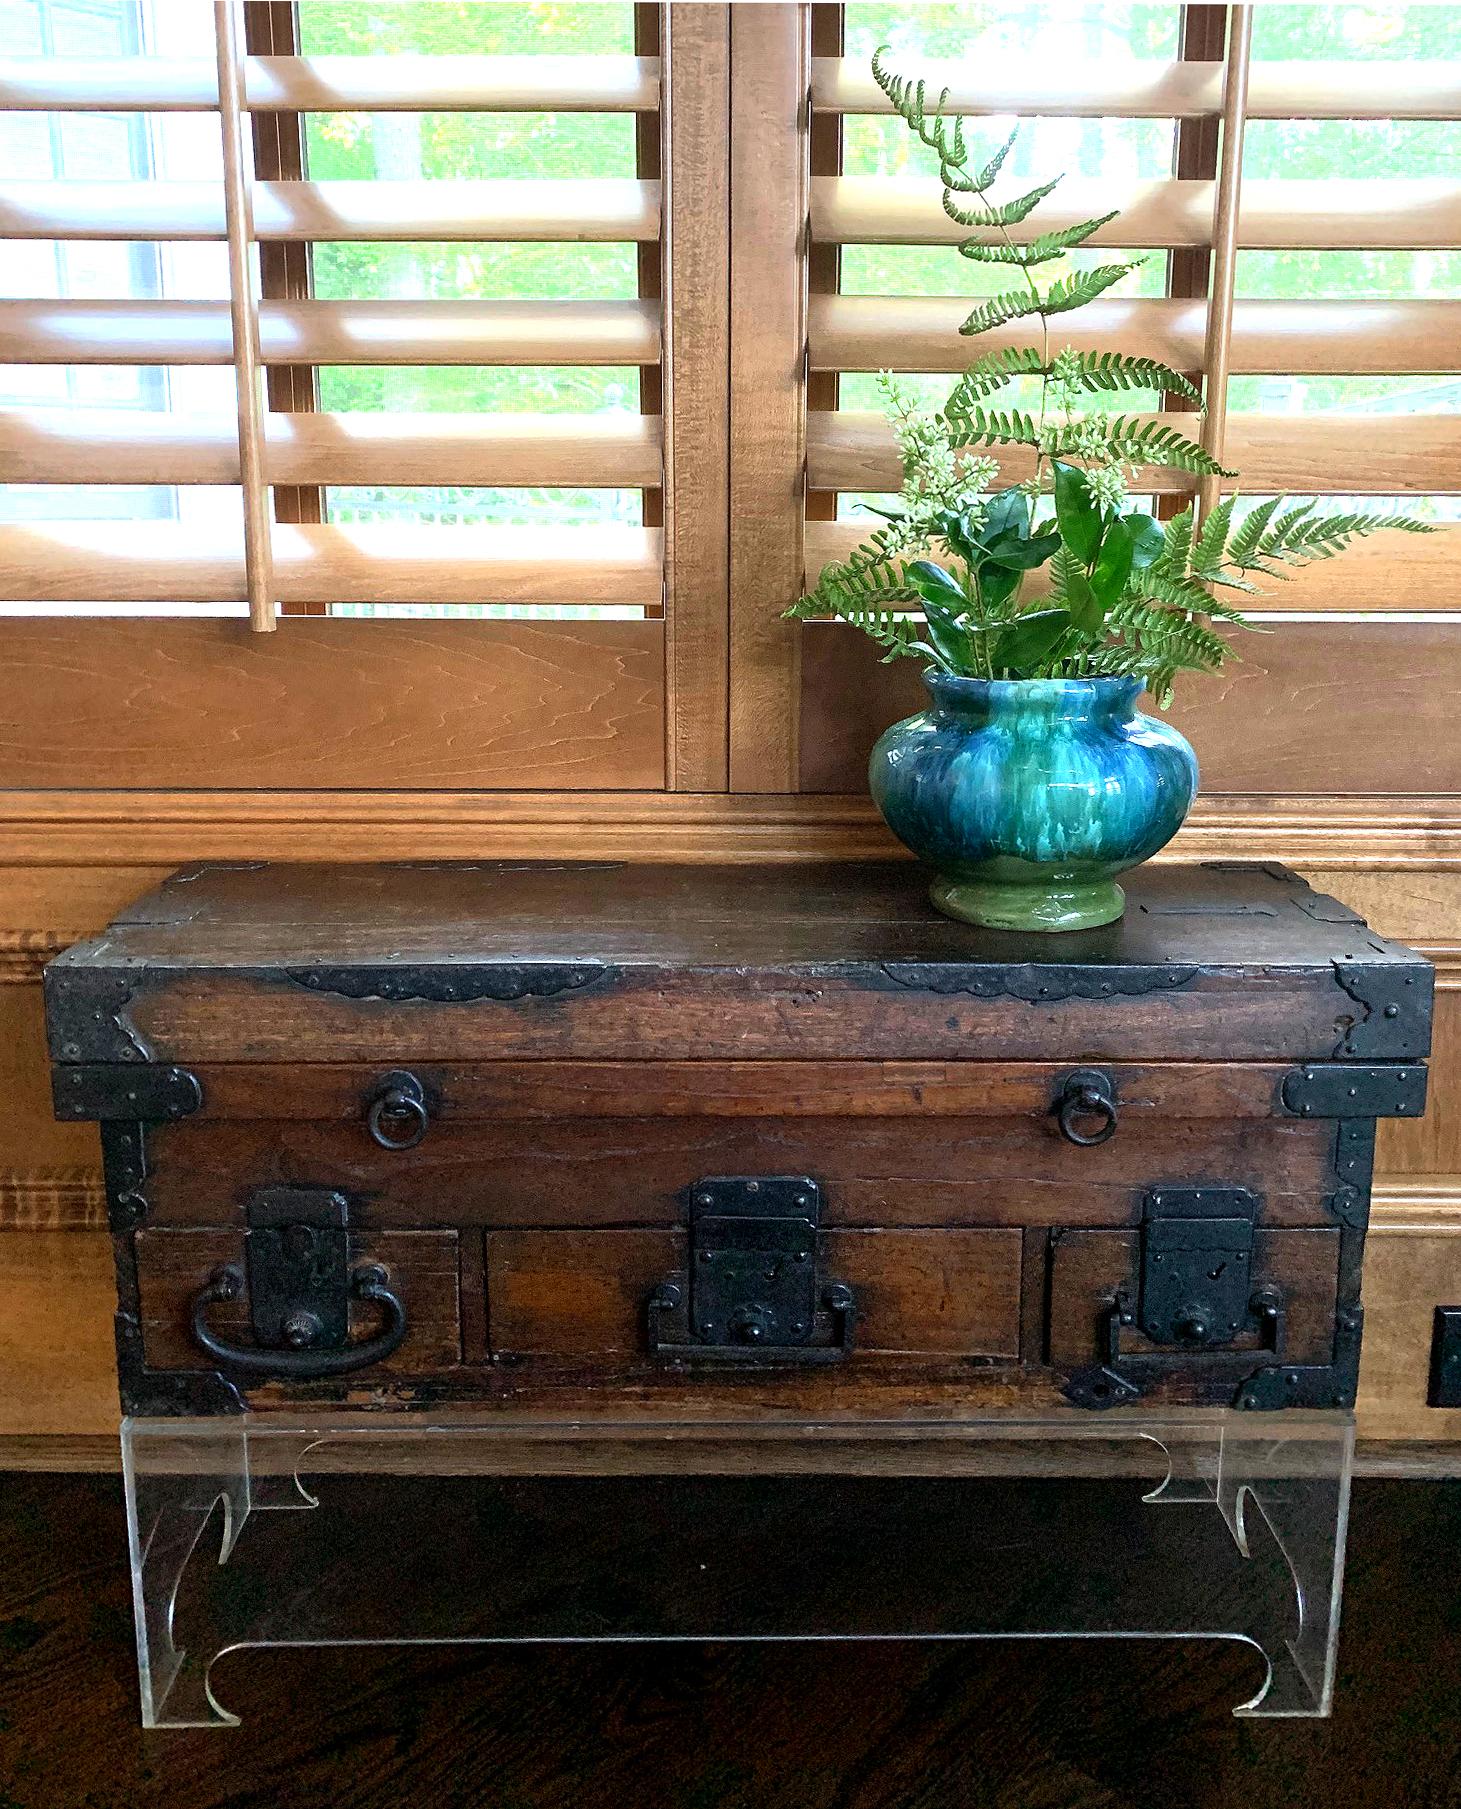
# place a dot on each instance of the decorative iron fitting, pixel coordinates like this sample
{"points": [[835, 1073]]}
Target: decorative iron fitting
{"points": [[1355, 1090], [101, 1090], [1393, 1015], [1332, 1384]]}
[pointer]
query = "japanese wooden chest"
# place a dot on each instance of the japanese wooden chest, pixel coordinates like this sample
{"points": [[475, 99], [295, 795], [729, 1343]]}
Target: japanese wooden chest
{"points": [[730, 1141]]}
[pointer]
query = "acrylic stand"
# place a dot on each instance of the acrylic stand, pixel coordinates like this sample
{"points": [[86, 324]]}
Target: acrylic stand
{"points": [[257, 1532]]}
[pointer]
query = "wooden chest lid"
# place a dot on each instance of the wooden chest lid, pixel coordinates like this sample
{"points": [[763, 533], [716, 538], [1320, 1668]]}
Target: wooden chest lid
{"points": [[517, 959]]}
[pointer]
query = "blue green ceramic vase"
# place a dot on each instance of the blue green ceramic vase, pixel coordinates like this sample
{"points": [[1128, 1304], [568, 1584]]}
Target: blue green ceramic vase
{"points": [[1028, 796]]}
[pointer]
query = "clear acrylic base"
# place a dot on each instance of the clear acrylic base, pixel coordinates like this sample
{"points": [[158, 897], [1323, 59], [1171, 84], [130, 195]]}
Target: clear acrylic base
{"points": [[257, 1532]]}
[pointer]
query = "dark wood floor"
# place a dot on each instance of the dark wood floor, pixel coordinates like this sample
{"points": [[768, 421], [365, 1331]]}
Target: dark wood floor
{"points": [[846, 1727]]}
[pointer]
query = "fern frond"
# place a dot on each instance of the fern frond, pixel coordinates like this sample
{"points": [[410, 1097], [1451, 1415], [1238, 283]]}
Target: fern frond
{"points": [[988, 374], [999, 310], [1213, 540], [1064, 566], [1043, 250], [1110, 371], [1176, 553], [1155, 585], [1300, 536], [1010, 213], [1151, 443], [1074, 291], [1244, 543], [997, 427]]}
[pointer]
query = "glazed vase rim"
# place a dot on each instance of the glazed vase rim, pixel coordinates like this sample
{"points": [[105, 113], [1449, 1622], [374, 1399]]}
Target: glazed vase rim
{"points": [[1104, 682]]}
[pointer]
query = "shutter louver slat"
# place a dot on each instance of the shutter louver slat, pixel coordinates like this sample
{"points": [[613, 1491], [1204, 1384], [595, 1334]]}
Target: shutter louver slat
{"points": [[1404, 213], [1385, 457], [604, 210], [1155, 90], [334, 332], [166, 562], [400, 83], [111, 446], [921, 333]]}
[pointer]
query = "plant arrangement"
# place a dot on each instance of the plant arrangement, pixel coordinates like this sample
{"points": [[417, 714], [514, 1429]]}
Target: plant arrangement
{"points": [[948, 578]]}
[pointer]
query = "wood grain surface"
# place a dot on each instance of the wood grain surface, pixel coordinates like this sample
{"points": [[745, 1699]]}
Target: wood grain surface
{"points": [[1288, 714], [633, 1171], [336, 702]]}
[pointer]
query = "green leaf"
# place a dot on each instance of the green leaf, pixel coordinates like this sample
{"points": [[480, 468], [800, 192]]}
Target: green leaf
{"points": [[1147, 539], [997, 584], [1023, 551], [1076, 512], [1028, 640], [1113, 563], [932, 582], [1086, 614], [950, 637], [1007, 510], [986, 176]]}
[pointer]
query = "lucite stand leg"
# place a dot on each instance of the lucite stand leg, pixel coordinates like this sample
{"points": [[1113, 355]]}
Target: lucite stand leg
{"points": [[176, 1489], [1296, 1478]]}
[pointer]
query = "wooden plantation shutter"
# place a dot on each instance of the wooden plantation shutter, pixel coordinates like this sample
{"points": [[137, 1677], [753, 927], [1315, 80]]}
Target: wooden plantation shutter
{"points": [[1365, 643], [599, 646]]}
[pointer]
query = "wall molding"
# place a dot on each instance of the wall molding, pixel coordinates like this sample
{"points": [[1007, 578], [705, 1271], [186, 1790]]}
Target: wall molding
{"points": [[133, 828], [52, 1199]]}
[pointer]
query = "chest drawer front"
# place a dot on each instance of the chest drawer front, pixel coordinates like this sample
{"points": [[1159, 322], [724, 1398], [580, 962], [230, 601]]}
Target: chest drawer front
{"points": [[985, 1171], [583, 1293]]}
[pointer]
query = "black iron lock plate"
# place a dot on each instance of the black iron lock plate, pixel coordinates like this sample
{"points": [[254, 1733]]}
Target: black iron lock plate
{"points": [[752, 1291], [1197, 1265], [297, 1260], [1445, 1385]]}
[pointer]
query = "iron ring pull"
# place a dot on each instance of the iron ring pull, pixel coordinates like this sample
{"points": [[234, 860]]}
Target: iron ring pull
{"points": [[367, 1282], [1088, 1093], [400, 1096]]}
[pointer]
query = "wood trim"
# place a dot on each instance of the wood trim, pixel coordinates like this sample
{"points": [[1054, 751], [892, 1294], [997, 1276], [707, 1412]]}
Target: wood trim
{"points": [[1148, 89], [1227, 214], [58, 1199], [285, 271], [370, 84], [770, 57], [697, 133], [332, 703], [1279, 338], [590, 210], [334, 332], [67, 828], [248, 365]]}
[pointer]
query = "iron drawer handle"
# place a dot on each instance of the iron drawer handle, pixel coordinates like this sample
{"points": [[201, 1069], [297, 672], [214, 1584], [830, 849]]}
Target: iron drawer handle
{"points": [[299, 1361], [400, 1097], [1088, 1093]]}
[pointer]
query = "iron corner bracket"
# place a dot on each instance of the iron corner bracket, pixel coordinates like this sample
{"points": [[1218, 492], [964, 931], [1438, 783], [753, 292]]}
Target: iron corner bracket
{"points": [[1394, 999], [107, 1090], [168, 1393]]}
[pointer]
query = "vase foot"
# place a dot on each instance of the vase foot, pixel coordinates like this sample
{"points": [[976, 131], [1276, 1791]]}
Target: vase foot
{"points": [[1054, 905]]}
